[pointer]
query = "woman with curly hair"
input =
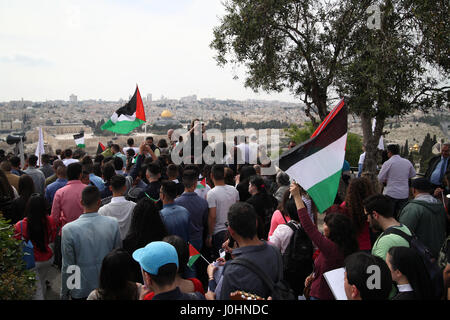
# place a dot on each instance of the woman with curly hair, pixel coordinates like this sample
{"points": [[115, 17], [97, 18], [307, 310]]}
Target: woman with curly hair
{"points": [[358, 190]]}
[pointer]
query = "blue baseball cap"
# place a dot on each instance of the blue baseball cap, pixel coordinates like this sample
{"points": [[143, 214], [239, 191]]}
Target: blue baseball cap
{"points": [[155, 255]]}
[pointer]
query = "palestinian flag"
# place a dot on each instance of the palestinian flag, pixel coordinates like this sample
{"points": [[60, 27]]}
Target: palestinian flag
{"points": [[128, 117], [100, 148], [316, 164], [79, 140], [193, 255], [202, 184]]}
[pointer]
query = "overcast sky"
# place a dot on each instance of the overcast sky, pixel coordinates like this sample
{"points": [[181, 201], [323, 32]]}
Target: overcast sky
{"points": [[100, 49]]}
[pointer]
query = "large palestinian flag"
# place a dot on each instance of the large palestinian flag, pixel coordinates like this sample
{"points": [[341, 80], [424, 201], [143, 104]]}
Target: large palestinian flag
{"points": [[79, 140], [128, 117], [316, 164]]}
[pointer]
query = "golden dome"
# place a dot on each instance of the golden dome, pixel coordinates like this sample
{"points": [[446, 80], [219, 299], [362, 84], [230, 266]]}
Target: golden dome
{"points": [[166, 114]]}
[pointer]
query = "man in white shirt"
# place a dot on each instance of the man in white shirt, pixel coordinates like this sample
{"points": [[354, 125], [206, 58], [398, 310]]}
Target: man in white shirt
{"points": [[395, 173], [130, 143], [68, 157], [220, 199], [119, 208]]}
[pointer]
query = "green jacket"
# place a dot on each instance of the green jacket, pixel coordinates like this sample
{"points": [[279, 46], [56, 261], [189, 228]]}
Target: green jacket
{"points": [[427, 220]]}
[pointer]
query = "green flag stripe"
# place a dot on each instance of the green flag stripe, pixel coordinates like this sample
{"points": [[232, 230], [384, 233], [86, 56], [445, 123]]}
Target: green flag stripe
{"points": [[192, 260], [81, 145], [324, 192], [122, 127]]}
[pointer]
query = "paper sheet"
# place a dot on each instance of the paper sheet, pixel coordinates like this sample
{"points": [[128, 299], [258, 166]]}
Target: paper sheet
{"points": [[335, 279]]}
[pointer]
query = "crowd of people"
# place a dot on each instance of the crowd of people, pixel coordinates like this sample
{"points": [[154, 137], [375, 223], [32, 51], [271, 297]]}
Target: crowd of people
{"points": [[131, 220]]}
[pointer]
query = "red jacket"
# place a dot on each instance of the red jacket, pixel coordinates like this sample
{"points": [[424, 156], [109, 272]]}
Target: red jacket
{"points": [[49, 238]]}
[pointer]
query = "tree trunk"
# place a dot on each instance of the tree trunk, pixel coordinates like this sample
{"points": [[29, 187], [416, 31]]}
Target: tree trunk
{"points": [[370, 141]]}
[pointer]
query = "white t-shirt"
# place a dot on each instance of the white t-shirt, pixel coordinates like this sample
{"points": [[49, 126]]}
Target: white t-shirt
{"points": [[122, 210], [222, 198], [69, 161], [136, 150]]}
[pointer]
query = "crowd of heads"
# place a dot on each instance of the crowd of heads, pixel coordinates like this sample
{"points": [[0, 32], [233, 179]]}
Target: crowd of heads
{"points": [[162, 256]]}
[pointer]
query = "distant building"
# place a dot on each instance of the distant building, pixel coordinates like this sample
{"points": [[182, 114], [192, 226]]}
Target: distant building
{"points": [[189, 99], [149, 98], [73, 99]]}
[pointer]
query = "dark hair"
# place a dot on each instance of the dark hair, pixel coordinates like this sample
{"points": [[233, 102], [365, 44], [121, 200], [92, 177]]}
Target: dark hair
{"points": [[166, 275], [194, 168], [115, 147], [32, 160], [182, 251], [45, 158], [146, 224], [246, 172], [382, 204], [90, 196], [218, 172], [259, 183], [242, 219], [342, 232], [131, 153], [15, 161], [411, 265], [118, 182], [393, 148], [5, 186], [289, 208], [118, 163], [68, 153], [99, 158], [37, 227], [358, 272], [162, 143], [86, 160], [189, 178], [108, 172], [172, 170], [115, 274], [169, 189], [26, 187], [130, 141], [74, 170], [149, 138], [153, 169], [229, 176], [358, 190], [97, 169]]}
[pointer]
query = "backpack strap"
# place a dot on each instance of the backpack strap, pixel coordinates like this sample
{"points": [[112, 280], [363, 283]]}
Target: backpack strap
{"points": [[257, 270], [292, 226], [398, 232]]}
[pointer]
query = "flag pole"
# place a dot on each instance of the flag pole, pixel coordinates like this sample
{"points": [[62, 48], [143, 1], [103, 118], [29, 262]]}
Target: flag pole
{"points": [[205, 259]]}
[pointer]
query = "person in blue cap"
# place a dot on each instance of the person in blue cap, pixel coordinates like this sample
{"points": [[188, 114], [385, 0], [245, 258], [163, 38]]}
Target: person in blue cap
{"points": [[159, 264]]}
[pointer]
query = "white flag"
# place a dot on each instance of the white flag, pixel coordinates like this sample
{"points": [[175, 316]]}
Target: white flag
{"points": [[40, 147]]}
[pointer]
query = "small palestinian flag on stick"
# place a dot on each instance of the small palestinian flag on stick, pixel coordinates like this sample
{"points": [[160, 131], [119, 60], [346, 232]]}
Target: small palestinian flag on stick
{"points": [[79, 140], [100, 148], [194, 255], [201, 184], [128, 117], [316, 164]]}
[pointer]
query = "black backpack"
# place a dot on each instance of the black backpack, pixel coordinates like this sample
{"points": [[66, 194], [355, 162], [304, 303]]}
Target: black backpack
{"points": [[279, 290], [298, 260], [430, 262]]}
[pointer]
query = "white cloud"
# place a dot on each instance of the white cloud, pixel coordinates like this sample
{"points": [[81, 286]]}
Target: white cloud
{"points": [[101, 49]]}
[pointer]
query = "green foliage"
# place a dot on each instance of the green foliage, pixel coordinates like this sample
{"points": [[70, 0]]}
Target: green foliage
{"points": [[16, 283], [300, 135], [353, 149]]}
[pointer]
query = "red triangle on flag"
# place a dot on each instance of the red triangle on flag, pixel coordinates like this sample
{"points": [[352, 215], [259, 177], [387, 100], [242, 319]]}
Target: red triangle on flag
{"points": [[140, 113]]}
